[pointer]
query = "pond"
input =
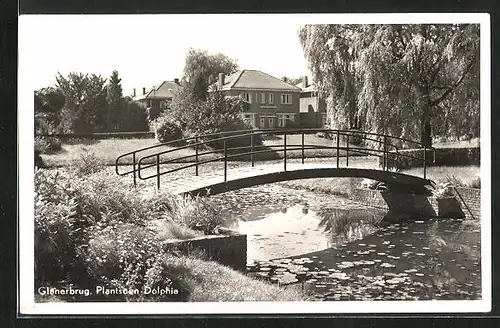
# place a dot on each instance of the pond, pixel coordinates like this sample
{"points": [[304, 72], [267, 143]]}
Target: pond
{"points": [[335, 249]]}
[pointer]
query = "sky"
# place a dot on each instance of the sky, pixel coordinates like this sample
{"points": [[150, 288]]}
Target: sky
{"points": [[148, 49]]}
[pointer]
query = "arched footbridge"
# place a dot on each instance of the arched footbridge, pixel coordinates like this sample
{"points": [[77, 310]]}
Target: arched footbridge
{"points": [[240, 159]]}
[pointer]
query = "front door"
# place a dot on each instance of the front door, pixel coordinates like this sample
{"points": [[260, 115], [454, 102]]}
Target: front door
{"points": [[271, 122]]}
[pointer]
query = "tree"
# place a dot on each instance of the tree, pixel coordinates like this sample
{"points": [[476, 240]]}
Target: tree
{"points": [[202, 68], [132, 116], [49, 103], [85, 108], [332, 59], [198, 117], [397, 79], [114, 99]]}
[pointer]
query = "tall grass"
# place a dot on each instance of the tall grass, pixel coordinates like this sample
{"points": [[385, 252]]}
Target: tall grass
{"points": [[92, 229]]}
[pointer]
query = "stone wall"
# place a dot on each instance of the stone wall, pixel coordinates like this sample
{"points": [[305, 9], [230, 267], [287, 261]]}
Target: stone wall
{"points": [[421, 204], [471, 197], [227, 250]]}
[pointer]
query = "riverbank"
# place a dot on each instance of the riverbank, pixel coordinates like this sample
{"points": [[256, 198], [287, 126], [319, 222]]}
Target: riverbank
{"points": [[93, 230]]}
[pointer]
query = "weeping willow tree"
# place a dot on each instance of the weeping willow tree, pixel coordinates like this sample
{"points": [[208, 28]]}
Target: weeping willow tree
{"points": [[332, 61], [397, 79]]}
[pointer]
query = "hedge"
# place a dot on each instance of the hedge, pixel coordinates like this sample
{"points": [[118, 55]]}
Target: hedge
{"points": [[109, 135], [444, 157]]}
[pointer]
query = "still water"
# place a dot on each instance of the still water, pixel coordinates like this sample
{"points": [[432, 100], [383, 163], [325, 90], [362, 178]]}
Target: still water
{"points": [[337, 250]]}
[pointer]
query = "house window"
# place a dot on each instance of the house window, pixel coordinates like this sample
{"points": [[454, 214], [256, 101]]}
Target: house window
{"points": [[247, 96], [262, 123], [262, 98], [286, 98], [163, 104], [282, 118], [271, 98]]}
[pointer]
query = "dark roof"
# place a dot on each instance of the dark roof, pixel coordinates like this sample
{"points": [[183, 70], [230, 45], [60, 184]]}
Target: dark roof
{"points": [[164, 90], [253, 79]]}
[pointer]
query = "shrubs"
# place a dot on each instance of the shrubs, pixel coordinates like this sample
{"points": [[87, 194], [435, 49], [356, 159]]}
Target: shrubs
{"points": [[56, 227], [47, 145], [217, 113], [121, 256], [408, 158], [39, 160], [88, 163], [443, 190], [236, 142], [91, 230], [166, 130], [356, 138], [197, 213]]}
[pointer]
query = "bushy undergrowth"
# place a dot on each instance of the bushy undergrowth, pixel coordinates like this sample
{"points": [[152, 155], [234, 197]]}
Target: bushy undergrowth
{"points": [[90, 229], [87, 163], [234, 141], [197, 214], [47, 145], [166, 130]]}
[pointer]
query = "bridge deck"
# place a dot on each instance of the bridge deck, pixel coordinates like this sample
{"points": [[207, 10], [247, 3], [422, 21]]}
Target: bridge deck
{"points": [[238, 178]]}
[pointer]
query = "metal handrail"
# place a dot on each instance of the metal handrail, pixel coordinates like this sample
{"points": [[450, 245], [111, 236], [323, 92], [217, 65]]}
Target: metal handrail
{"points": [[240, 133], [218, 159], [229, 135]]}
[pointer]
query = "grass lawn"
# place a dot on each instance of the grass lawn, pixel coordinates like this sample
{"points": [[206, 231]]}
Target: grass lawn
{"points": [[457, 144], [467, 176], [208, 281], [106, 151]]}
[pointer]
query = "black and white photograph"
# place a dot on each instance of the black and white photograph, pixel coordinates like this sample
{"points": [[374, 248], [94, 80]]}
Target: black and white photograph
{"points": [[254, 164]]}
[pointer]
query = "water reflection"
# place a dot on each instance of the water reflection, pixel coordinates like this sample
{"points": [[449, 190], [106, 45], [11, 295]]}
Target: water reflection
{"points": [[434, 259], [337, 250]]}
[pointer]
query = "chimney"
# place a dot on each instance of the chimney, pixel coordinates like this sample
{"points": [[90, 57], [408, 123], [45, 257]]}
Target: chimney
{"points": [[176, 81], [133, 94], [221, 80], [143, 90], [304, 82]]}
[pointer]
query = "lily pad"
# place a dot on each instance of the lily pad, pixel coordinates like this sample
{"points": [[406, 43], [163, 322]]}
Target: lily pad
{"points": [[387, 265], [339, 276]]}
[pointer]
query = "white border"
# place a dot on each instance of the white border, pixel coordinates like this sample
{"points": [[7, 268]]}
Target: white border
{"points": [[27, 305]]}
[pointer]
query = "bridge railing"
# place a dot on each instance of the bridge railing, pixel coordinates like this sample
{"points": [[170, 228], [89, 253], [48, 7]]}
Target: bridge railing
{"points": [[387, 149]]}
